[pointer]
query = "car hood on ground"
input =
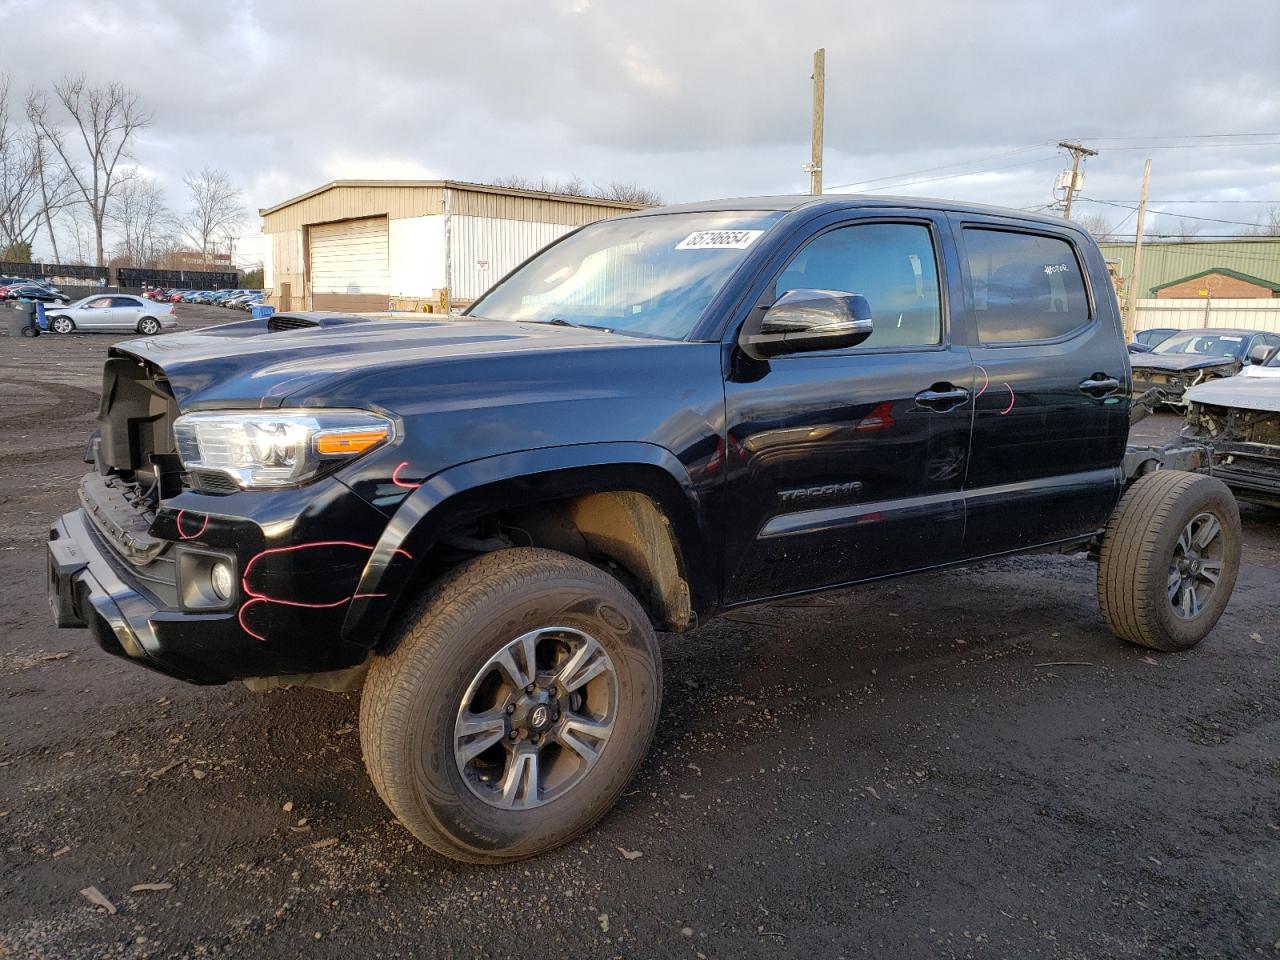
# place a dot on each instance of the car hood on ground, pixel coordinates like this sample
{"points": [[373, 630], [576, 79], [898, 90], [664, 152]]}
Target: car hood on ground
{"points": [[253, 363], [1175, 362], [1248, 391]]}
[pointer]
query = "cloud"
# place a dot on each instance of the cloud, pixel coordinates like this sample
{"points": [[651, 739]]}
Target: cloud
{"points": [[696, 100]]}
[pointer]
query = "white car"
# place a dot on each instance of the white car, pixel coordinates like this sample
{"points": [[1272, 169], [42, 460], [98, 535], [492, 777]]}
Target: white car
{"points": [[1239, 417], [112, 312]]}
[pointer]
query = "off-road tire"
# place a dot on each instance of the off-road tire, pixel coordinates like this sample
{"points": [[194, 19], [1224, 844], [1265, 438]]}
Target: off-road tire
{"points": [[413, 693], [1137, 550]]}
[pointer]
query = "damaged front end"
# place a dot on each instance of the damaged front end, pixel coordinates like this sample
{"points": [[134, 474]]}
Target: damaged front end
{"points": [[1245, 445]]}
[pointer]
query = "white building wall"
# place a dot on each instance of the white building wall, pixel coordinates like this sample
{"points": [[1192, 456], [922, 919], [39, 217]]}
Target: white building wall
{"points": [[417, 246], [483, 249], [1188, 314]]}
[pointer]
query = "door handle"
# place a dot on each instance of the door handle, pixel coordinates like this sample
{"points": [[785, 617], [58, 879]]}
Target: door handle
{"points": [[1099, 385], [942, 397]]}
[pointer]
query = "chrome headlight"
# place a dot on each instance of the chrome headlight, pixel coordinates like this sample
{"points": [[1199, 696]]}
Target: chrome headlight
{"points": [[279, 448]]}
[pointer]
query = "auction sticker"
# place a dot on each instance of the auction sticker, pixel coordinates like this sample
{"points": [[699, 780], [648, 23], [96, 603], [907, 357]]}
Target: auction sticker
{"points": [[719, 240]]}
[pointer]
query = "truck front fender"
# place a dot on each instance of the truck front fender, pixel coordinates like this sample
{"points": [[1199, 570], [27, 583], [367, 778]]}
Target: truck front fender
{"points": [[472, 490]]}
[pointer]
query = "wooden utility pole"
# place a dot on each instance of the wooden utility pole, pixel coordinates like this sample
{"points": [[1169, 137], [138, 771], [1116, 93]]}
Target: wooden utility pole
{"points": [[1077, 151], [1131, 291], [819, 85]]}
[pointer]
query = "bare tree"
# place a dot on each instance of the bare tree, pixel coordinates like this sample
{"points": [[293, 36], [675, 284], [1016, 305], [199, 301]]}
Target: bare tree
{"points": [[106, 119], [628, 193], [575, 187], [30, 192], [143, 220], [1096, 223], [1268, 225], [1186, 229], [217, 209]]}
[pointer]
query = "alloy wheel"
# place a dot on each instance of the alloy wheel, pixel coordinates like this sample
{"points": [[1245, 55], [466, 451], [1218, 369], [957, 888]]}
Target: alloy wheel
{"points": [[1196, 565], [535, 719]]}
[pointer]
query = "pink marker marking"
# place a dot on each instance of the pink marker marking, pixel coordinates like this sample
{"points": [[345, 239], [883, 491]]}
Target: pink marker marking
{"points": [[1012, 399], [986, 381], [255, 597], [190, 536], [395, 477]]}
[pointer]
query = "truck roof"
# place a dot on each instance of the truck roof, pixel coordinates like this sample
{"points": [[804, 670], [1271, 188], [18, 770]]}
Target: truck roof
{"points": [[843, 201]]}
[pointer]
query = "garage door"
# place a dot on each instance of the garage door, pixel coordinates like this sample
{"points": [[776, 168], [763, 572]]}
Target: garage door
{"points": [[349, 265]]}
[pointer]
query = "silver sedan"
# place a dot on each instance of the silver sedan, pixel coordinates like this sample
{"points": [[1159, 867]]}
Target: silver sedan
{"points": [[112, 311]]}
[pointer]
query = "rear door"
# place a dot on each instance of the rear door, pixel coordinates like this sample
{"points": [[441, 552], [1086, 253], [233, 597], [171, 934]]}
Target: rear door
{"points": [[125, 312], [1051, 411], [846, 465]]}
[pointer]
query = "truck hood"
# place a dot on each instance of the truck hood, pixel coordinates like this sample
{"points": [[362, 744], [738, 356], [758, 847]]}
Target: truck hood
{"points": [[262, 362], [1176, 362], [1252, 392]]}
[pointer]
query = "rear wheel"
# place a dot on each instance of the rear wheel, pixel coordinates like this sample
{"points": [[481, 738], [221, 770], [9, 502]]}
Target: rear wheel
{"points": [[148, 326], [518, 701], [61, 325], [1169, 559]]}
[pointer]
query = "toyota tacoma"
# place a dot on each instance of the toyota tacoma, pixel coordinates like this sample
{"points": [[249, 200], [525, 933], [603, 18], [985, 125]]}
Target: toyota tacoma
{"points": [[481, 521]]}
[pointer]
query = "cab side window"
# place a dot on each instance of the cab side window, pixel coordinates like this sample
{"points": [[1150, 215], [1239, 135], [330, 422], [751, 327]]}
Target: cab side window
{"points": [[1025, 286], [891, 264]]}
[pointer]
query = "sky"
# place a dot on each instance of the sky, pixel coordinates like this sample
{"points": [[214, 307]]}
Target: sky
{"points": [[696, 99]]}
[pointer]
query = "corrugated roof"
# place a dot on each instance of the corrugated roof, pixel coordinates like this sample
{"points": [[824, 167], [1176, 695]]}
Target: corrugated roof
{"points": [[453, 184], [1221, 271]]}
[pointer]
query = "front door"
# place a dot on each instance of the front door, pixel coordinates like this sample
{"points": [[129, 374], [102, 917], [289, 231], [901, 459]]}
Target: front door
{"points": [[847, 465], [1051, 412], [97, 314]]}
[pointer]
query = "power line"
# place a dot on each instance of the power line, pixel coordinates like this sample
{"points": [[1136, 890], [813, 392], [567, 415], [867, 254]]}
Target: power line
{"points": [[1185, 136], [942, 166], [1197, 146], [1184, 216], [971, 173], [1187, 201]]}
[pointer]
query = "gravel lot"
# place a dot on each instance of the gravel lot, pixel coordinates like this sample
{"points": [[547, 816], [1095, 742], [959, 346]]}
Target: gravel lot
{"points": [[961, 765]]}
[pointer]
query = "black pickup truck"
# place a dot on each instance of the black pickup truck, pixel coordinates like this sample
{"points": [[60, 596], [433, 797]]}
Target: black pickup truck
{"points": [[483, 519]]}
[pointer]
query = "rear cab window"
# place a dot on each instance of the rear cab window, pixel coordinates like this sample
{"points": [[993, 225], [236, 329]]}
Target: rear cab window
{"points": [[1025, 286]]}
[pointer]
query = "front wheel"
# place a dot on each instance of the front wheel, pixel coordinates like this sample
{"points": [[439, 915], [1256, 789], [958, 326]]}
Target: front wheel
{"points": [[1169, 559], [148, 326], [61, 325], [517, 702]]}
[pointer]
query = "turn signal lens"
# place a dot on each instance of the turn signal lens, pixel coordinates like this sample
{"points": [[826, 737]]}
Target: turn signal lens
{"points": [[351, 442]]}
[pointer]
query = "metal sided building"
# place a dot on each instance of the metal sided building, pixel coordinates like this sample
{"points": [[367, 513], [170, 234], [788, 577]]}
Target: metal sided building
{"points": [[375, 245], [1165, 261]]}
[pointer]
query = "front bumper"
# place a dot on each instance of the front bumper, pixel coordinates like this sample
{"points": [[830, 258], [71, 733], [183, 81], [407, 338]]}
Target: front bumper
{"points": [[86, 589], [1172, 387], [268, 631]]}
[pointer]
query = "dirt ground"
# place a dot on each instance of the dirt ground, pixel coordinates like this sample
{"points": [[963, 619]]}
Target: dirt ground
{"points": [[961, 765]]}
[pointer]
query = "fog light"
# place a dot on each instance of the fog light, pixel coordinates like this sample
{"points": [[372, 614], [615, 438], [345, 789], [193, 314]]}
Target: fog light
{"points": [[222, 580]]}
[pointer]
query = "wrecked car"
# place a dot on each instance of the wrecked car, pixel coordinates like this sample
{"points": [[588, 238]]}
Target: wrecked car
{"points": [[1189, 357], [1239, 419], [481, 522]]}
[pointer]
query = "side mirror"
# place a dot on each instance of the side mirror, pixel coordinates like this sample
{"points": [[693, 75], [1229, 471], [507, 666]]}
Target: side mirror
{"points": [[803, 321], [1260, 354]]}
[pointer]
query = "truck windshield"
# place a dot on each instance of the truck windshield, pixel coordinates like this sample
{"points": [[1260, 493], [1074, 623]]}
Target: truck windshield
{"points": [[1206, 344], [650, 276]]}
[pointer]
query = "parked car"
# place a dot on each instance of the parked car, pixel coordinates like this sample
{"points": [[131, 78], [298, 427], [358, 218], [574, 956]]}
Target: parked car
{"points": [[661, 416], [1240, 418], [116, 311], [249, 302], [1189, 357], [177, 295], [31, 291], [1144, 340]]}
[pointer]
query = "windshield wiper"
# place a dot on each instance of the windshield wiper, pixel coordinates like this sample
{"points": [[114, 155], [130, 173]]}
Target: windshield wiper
{"points": [[562, 322]]}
